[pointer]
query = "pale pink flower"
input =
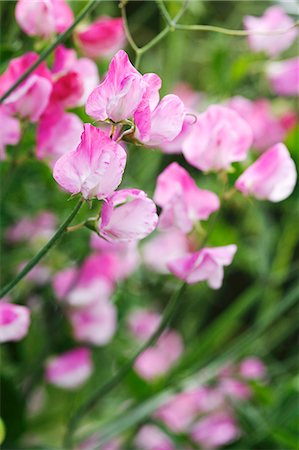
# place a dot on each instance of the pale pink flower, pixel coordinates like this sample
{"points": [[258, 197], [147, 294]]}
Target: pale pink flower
{"points": [[235, 389], [205, 265], [95, 323], [252, 368], [143, 323], [284, 76], [10, 131], [176, 145], [70, 369], [266, 128], [182, 202], [150, 437], [39, 275], [215, 430], [190, 98], [119, 95], [218, 138], [273, 19], [165, 247], [43, 17], [101, 38], [64, 281], [14, 322], [95, 168], [36, 230], [128, 215], [271, 177]]}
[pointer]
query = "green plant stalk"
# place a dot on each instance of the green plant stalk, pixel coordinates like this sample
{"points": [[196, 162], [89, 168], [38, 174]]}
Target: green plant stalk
{"points": [[36, 259], [45, 53], [119, 376]]}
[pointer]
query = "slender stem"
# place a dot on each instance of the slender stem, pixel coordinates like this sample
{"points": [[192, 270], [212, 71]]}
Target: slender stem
{"points": [[164, 12], [119, 376], [45, 53], [127, 29], [35, 260], [233, 32]]}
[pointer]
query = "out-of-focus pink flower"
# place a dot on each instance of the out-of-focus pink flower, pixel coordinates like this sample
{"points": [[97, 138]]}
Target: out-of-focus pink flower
{"points": [[10, 131], [158, 360], [218, 138], [43, 17], [284, 76], [57, 133], [128, 215], [143, 323], [14, 322], [215, 430], [182, 201], [266, 128], [71, 369], [102, 38], [39, 275], [235, 389], [95, 168], [252, 368], [37, 229], [64, 281], [150, 437], [271, 177], [206, 264], [190, 98], [95, 324], [273, 19], [92, 442], [119, 95]]}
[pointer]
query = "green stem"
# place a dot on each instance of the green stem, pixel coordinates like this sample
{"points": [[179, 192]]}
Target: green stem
{"points": [[119, 376], [44, 54], [35, 260], [232, 32]]}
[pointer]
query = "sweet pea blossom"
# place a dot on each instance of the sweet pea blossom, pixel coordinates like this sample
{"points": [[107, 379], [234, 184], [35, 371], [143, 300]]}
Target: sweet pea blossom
{"points": [[271, 177], [150, 437], [10, 131], [235, 389], [14, 322], [36, 230], [143, 323], [215, 430], [119, 95], [127, 215], [252, 368], [102, 38], [70, 369], [206, 264], [284, 76], [273, 19], [182, 201], [43, 17], [218, 138], [95, 168]]}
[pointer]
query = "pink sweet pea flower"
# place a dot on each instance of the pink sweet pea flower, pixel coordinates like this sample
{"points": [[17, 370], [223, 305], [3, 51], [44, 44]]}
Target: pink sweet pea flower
{"points": [[119, 95], [284, 76], [10, 131], [128, 215], [102, 38], [36, 230], [14, 322], [215, 430], [252, 368], [271, 177], [150, 437], [71, 369], [182, 201], [235, 389], [175, 146], [57, 133], [163, 248], [218, 138], [95, 168], [64, 281], [143, 323], [273, 19], [206, 264], [43, 17], [95, 324], [267, 129]]}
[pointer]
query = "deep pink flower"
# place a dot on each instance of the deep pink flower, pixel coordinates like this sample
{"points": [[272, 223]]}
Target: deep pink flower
{"points": [[102, 38], [271, 177], [14, 322], [71, 369], [143, 323], [206, 264], [284, 76], [43, 17], [119, 95], [150, 437], [252, 368], [95, 168], [10, 131], [274, 18], [215, 430], [218, 138], [182, 201], [128, 215]]}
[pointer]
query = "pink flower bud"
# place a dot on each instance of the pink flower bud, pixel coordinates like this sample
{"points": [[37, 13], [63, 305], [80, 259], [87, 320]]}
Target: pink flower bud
{"points": [[284, 76], [252, 368], [215, 430], [271, 177], [14, 322], [143, 323], [235, 389]]}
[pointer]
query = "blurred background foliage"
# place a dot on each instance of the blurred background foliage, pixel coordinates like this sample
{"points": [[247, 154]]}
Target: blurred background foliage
{"points": [[255, 312]]}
